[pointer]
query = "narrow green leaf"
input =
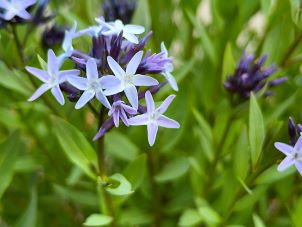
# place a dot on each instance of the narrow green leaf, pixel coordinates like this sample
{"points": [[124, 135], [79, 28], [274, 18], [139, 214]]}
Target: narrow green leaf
{"points": [[272, 175], [98, 220], [75, 145], [173, 170], [119, 185], [256, 130], [190, 217], [229, 63], [43, 63]]}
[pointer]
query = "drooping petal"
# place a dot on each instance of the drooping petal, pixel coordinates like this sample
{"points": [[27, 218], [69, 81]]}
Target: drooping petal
{"points": [[24, 14], [171, 80], [103, 99], [152, 131], [40, 74], [286, 162], [78, 82], [284, 148], [166, 103], [132, 96], [134, 29], [139, 120], [64, 75], [41, 90], [166, 122], [298, 145], [298, 165], [92, 69], [116, 117], [129, 109], [140, 80], [85, 98], [124, 117], [134, 63], [52, 63], [57, 93], [130, 37], [149, 102], [116, 68]]}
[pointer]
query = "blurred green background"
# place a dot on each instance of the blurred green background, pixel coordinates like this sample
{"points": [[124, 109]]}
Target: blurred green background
{"points": [[199, 175]]}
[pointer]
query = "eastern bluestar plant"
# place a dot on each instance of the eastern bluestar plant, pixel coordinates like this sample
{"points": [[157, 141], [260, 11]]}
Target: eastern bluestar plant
{"points": [[251, 76], [114, 71]]}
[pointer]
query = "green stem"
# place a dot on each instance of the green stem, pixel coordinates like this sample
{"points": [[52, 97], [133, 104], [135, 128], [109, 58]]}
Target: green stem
{"points": [[108, 209], [291, 49]]}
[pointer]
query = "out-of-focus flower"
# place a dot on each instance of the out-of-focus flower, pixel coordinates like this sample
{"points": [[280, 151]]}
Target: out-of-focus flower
{"points": [[294, 131], [129, 79], [93, 85], [39, 16], [69, 36], [154, 117], [52, 36], [129, 31], [52, 78], [293, 155], [119, 110], [250, 76], [119, 9], [16, 8]]}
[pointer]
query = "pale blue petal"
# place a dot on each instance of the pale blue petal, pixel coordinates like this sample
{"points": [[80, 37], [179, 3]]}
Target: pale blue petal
{"points": [[134, 29], [134, 63], [92, 70], [8, 15], [103, 99], [149, 102], [166, 103], [124, 117], [286, 162], [113, 90], [52, 63], [131, 94], [130, 37], [142, 119], [5, 4], [85, 98], [116, 116], [116, 68], [57, 93], [129, 109], [166, 122], [108, 82], [284, 148], [78, 82], [152, 131], [26, 3], [140, 80], [24, 14], [298, 145], [64, 75], [41, 90], [171, 80], [164, 49], [298, 165], [40, 74]]}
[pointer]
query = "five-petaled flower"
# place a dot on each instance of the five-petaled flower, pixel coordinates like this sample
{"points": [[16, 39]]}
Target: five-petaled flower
{"points": [[129, 79], [15, 8], [120, 110], [293, 155], [93, 85], [154, 117], [52, 78], [129, 31]]}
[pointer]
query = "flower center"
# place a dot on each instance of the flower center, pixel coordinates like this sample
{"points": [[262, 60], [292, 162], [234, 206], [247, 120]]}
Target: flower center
{"points": [[94, 86], [128, 79], [153, 116], [53, 81]]}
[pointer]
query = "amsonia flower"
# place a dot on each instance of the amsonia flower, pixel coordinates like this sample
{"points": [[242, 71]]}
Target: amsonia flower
{"points": [[14, 8], [168, 68], [129, 79], [129, 31], [120, 110], [69, 36], [293, 155], [154, 117], [52, 78], [93, 85]]}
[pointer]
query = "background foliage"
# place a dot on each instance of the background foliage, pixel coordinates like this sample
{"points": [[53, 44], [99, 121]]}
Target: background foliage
{"points": [[218, 169]]}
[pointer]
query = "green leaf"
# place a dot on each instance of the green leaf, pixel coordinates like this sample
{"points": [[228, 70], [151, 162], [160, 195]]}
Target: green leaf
{"points": [[43, 63], [136, 171], [119, 185], [207, 213], [29, 218], [8, 157], [190, 217], [123, 148], [272, 175], [296, 12], [173, 170], [258, 221], [229, 62], [256, 130], [98, 220], [76, 147]]}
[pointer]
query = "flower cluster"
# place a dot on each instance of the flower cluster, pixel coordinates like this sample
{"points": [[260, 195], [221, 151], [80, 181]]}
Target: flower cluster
{"points": [[114, 72], [251, 76]]}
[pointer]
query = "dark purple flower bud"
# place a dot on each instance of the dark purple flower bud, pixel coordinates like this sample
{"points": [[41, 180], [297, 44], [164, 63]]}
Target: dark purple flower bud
{"points": [[278, 81], [115, 47], [53, 36], [73, 93], [107, 126], [250, 76], [119, 9], [153, 90], [292, 131], [153, 64]]}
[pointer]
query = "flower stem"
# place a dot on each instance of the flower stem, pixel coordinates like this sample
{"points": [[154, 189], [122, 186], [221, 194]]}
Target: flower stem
{"points": [[291, 49]]}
